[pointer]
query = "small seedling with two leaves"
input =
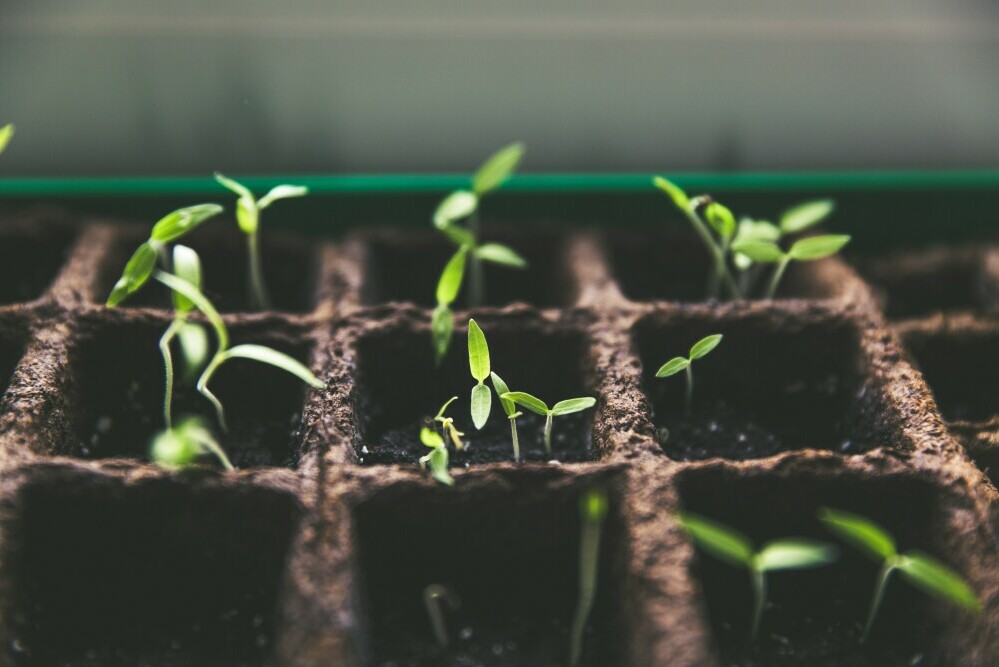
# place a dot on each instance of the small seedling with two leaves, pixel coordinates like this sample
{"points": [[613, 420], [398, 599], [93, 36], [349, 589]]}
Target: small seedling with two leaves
{"points": [[181, 445], [921, 570], [700, 349], [456, 207], [592, 512], [731, 546], [804, 250], [248, 209], [433, 597], [437, 460], [537, 406], [6, 134], [448, 429]]}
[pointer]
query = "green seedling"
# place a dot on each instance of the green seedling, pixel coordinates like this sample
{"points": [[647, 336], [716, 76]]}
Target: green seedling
{"points": [[438, 458], [181, 445], [921, 570], [537, 406], [478, 363], [734, 548], [805, 250], [432, 597], [464, 205], [248, 210], [510, 408], [6, 134], [448, 429], [700, 349], [592, 511]]}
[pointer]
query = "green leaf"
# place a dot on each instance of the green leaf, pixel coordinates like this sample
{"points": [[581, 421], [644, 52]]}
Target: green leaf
{"points": [[571, 405], [459, 235], [441, 330], [721, 219], [795, 554], [801, 217], [860, 532], [438, 460], [757, 230], [678, 196], [535, 405], [431, 438], [482, 400], [193, 341], [456, 206], [478, 352], [497, 168], [178, 223], [450, 281], [282, 192], [500, 254], [717, 539], [593, 505], [440, 413], [6, 134], [937, 579], [509, 407], [247, 215], [759, 251], [186, 266], [173, 449], [234, 186], [137, 271], [277, 359], [817, 247], [200, 301], [672, 367], [704, 346]]}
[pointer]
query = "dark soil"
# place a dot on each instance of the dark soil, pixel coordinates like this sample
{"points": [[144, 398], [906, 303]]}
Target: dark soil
{"points": [[11, 350], [30, 260]]}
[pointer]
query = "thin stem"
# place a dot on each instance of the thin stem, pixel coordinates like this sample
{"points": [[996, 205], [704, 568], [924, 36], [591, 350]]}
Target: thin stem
{"points": [[165, 340], [258, 289], [219, 453], [778, 274], [759, 598], [432, 596], [690, 390], [548, 434], [879, 594], [476, 273], [516, 440], [589, 557], [204, 391], [716, 252]]}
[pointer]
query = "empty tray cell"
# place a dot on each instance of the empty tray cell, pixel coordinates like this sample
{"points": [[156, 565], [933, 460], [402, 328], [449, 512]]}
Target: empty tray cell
{"points": [[156, 573], [516, 579], [117, 391], [915, 283], [673, 265], [815, 617], [777, 382], [406, 266], [31, 256], [12, 342], [290, 268], [400, 389]]}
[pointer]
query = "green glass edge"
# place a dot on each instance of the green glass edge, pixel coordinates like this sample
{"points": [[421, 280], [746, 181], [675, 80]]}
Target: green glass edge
{"points": [[536, 183]]}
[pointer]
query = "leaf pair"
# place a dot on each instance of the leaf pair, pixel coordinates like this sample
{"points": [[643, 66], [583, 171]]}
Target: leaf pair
{"points": [[804, 250], [181, 445], [698, 350], [437, 459], [537, 406], [248, 207], [447, 424]]}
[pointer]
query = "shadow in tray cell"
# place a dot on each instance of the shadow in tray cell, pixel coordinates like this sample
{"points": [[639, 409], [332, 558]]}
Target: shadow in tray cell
{"points": [[510, 555], [815, 617], [962, 371], [157, 574], [119, 389], [30, 260], [770, 386], [400, 390]]}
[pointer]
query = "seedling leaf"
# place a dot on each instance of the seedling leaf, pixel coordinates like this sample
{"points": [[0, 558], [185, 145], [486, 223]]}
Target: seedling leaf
{"points": [[672, 367], [234, 186], [860, 532], [193, 341], [678, 196], [720, 541], [460, 235], [431, 438], [721, 219], [808, 214], [456, 206], [137, 271], [704, 346], [482, 400], [759, 251], [440, 413], [935, 578], [200, 301], [571, 405], [500, 254], [178, 223], [495, 170], [535, 405], [817, 247], [794, 554], [277, 359], [441, 328], [6, 134], [186, 266], [757, 230], [478, 352], [509, 407], [450, 282], [282, 192]]}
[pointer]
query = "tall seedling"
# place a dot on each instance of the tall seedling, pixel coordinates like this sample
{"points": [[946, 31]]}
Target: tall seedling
{"points": [[592, 512], [478, 363]]}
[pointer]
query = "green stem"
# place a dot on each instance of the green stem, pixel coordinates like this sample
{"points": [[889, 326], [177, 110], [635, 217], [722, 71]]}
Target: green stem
{"points": [[219, 453], [690, 390], [204, 391], [879, 594], [516, 440], [759, 599], [165, 340], [548, 434], [589, 557], [258, 289], [778, 274], [721, 269]]}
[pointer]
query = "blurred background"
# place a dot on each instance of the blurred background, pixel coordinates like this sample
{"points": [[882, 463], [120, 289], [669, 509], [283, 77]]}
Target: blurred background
{"points": [[144, 87]]}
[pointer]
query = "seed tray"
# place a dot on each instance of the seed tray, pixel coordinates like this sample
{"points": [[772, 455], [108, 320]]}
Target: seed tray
{"points": [[315, 550]]}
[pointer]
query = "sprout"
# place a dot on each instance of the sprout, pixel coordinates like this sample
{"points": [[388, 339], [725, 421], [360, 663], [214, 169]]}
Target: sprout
{"points": [[454, 208], [181, 445], [700, 349], [510, 408], [437, 459], [923, 571], [735, 549], [432, 596], [6, 134], [248, 211], [592, 511], [537, 406], [806, 250], [478, 363], [447, 425]]}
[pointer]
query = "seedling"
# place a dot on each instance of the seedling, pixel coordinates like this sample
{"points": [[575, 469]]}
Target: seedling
{"points": [[923, 571], [448, 429], [731, 546], [510, 408], [248, 210], [700, 349], [437, 459], [456, 207], [478, 363], [432, 597], [537, 406], [6, 134], [592, 511], [806, 250], [181, 445]]}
